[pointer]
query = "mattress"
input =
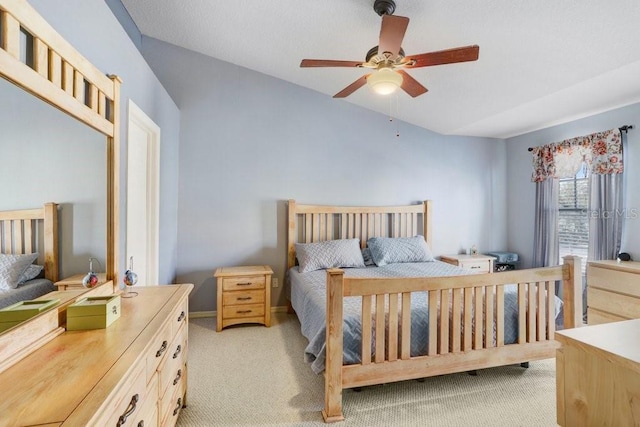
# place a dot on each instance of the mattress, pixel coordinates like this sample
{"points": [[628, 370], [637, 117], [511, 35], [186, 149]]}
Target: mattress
{"points": [[308, 298], [27, 291]]}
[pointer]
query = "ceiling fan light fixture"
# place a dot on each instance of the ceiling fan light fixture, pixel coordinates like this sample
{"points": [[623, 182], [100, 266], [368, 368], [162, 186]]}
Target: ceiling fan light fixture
{"points": [[385, 81]]}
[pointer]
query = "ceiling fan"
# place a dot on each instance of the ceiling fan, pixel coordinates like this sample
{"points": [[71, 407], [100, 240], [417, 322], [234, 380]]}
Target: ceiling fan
{"points": [[389, 60]]}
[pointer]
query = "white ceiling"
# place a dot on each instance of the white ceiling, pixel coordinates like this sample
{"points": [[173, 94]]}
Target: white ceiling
{"points": [[542, 62]]}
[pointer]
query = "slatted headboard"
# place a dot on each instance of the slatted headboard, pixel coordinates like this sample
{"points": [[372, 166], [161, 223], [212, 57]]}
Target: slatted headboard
{"points": [[32, 230], [317, 223]]}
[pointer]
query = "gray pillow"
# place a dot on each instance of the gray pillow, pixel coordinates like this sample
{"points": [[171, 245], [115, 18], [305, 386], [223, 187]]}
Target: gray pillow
{"points": [[12, 266], [32, 271], [366, 255], [391, 250], [329, 254]]}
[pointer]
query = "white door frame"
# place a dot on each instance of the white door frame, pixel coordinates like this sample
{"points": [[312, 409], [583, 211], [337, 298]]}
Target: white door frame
{"points": [[138, 118]]}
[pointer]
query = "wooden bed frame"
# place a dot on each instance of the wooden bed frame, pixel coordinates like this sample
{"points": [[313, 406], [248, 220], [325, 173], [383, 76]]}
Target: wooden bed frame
{"points": [[457, 347], [20, 234]]}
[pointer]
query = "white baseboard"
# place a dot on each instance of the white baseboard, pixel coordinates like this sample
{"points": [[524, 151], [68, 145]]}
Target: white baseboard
{"points": [[203, 314]]}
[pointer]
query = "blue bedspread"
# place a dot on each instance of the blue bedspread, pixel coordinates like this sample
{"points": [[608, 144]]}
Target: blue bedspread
{"points": [[308, 298]]}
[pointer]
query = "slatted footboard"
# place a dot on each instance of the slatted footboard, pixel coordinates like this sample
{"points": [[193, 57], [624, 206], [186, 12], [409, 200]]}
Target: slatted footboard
{"points": [[466, 326]]}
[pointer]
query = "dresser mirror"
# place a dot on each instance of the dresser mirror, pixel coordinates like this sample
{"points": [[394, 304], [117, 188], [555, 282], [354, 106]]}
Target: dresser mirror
{"points": [[59, 135], [55, 158]]}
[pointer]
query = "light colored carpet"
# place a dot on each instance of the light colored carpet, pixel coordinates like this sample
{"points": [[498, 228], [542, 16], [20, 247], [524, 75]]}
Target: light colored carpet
{"points": [[256, 376]]}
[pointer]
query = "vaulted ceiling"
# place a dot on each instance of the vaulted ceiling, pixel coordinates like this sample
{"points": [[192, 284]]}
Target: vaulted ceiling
{"points": [[541, 63]]}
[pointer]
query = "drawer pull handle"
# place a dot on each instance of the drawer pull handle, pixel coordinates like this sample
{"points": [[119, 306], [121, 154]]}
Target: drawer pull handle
{"points": [[475, 266], [178, 350], [243, 311], [178, 405], [243, 298], [182, 316], [245, 284], [177, 379], [129, 410], [163, 347], [141, 423]]}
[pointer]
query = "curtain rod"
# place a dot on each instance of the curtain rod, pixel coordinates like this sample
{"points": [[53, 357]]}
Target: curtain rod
{"points": [[624, 129]]}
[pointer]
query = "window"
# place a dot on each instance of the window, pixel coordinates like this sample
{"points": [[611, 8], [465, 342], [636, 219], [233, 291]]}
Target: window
{"points": [[573, 220]]}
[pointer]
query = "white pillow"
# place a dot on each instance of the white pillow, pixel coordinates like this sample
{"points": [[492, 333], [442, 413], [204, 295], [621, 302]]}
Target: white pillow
{"points": [[12, 266], [391, 250], [329, 254]]}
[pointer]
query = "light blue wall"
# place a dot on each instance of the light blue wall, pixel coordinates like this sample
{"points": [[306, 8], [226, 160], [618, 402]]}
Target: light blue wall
{"points": [[521, 191], [91, 27], [249, 142]]}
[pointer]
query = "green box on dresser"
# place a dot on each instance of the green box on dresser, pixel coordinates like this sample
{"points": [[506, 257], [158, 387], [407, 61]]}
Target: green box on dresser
{"points": [[93, 313]]}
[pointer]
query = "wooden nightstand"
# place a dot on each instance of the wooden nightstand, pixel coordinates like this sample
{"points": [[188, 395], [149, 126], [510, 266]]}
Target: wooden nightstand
{"points": [[75, 282], [244, 295], [480, 263]]}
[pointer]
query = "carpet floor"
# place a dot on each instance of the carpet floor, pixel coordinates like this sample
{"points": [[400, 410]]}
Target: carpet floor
{"points": [[249, 375]]}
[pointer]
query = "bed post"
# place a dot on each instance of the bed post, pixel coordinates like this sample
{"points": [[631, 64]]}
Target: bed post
{"points": [[291, 233], [572, 292], [51, 241], [333, 365], [426, 218]]}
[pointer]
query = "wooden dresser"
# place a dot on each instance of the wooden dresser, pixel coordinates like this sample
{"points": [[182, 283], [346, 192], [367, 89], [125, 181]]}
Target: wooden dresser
{"points": [[613, 291], [598, 375], [132, 373], [244, 295], [479, 263]]}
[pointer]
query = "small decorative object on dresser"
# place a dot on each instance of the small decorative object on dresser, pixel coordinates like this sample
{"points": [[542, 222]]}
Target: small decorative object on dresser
{"points": [[93, 313], [244, 295], [130, 279], [90, 280], [478, 262]]}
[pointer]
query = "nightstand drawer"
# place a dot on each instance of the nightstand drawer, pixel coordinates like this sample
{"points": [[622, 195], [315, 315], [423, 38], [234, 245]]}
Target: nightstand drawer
{"points": [[243, 297], [481, 266], [243, 283], [239, 311]]}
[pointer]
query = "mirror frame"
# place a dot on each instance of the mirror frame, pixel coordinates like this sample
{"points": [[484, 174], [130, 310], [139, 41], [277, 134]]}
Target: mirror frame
{"points": [[65, 79]]}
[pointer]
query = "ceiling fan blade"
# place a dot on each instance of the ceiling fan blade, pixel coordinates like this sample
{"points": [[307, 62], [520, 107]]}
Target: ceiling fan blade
{"points": [[328, 63], [352, 87], [411, 85], [391, 34], [448, 56]]}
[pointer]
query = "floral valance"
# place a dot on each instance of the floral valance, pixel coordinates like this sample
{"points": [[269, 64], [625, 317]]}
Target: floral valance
{"points": [[601, 151]]}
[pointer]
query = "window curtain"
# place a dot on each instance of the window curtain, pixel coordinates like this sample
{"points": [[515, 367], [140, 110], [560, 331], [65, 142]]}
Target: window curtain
{"points": [[602, 152], [606, 204], [545, 239]]}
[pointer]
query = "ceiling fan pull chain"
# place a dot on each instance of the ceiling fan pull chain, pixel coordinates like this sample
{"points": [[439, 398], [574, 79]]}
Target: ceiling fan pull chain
{"points": [[390, 110], [397, 115]]}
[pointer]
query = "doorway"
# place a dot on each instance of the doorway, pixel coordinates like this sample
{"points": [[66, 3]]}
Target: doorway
{"points": [[143, 172]]}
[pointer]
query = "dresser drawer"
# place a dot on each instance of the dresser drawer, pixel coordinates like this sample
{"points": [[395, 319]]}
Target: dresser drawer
{"points": [[147, 416], [620, 305], [156, 352], [243, 283], [480, 266], [240, 311], [126, 403], [171, 370], [622, 282], [243, 297], [171, 404]]}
